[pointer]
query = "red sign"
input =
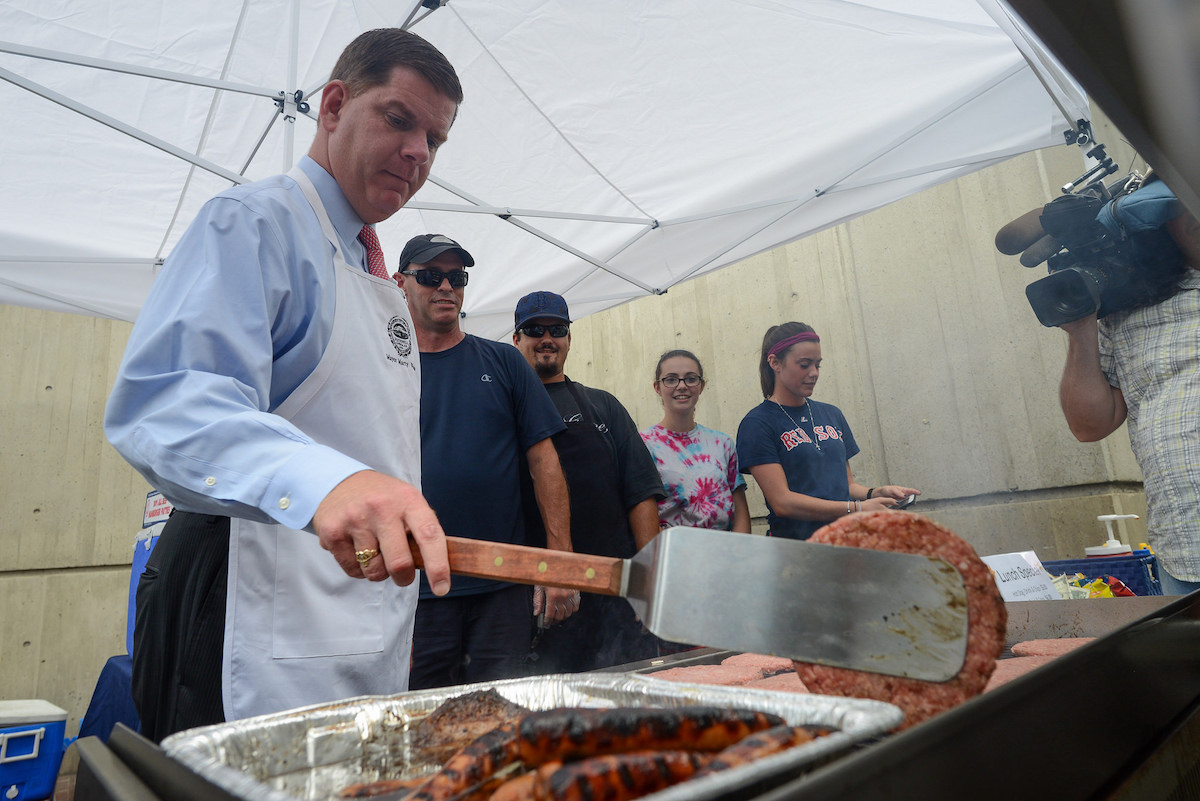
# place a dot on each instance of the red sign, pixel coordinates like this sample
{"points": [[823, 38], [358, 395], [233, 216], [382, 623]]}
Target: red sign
{"points": [[158, 509]]}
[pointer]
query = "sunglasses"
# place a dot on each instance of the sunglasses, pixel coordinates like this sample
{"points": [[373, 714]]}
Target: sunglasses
{"points": [[558, 330], [672, 381], [434, 278]]}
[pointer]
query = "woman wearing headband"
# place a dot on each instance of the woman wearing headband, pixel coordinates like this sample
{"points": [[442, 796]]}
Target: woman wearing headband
{"points": [[698, 465], [799, 449]]}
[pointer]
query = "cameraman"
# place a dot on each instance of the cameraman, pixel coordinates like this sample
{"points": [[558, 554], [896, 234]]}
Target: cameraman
{"points": [[1143, 364]]}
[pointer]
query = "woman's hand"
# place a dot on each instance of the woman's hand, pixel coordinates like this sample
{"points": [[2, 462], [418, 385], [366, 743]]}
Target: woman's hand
{"points": [[877, 502], [893, 492]]}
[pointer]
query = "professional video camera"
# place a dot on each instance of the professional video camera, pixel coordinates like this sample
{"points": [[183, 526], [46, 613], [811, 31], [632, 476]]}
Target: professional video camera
{"points": [[1105, 246]]}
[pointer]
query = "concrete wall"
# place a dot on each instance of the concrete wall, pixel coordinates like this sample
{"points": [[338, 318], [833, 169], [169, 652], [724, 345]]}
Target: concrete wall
{"points": [[69, 509], [929, 347]]}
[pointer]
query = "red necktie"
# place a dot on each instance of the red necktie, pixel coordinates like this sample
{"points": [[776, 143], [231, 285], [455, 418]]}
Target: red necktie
{"points": [[375, 262]]}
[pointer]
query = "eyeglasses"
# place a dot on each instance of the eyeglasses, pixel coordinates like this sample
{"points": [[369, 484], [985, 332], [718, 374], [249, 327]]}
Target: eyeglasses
{"points": [[434, 278], [558, 330], [672, 381]]}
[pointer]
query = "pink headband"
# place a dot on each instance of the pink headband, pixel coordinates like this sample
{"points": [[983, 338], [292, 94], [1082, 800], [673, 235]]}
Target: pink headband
{"points": [[784, 344]]}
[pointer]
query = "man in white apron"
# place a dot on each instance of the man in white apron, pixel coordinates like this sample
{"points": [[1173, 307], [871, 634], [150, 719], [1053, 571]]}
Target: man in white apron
{"points": [[271, 390]]}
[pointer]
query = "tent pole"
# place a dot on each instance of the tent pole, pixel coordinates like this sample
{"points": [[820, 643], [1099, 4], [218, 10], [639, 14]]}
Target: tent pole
{"points": [[291, 79], [608, 268], [412, 18], [78, 304], [524, 226], [115, 124], [505, 211], [129, 69], [1028, 46]]}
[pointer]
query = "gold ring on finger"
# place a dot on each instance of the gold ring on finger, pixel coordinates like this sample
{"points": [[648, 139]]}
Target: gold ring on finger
{"points": [[365, 555]]}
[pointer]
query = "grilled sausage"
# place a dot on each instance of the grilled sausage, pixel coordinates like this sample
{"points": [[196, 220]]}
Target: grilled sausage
{"points": [[757, 746], [619, 777], [567, 734], [471, 766], [393, 788], [525, 786]]}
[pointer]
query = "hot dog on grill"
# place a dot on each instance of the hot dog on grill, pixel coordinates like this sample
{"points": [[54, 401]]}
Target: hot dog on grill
{"points": [[544, 740], [757, 746], [525, 786], [397, 788], [567, 734], [613, 777], [471, 766]]}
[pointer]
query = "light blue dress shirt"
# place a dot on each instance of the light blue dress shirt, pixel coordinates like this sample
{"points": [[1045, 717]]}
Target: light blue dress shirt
{"points": [[238, 318]]}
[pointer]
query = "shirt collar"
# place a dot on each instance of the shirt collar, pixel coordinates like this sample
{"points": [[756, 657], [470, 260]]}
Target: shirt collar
{"points": [[345, 220]]}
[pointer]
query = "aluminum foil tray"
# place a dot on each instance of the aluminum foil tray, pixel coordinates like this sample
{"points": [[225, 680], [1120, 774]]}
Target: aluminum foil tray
{"points": [[313, 752]]}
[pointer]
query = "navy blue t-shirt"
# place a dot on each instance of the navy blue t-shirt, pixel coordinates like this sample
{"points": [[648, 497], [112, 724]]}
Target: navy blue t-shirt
{"points": [[482, 407], [767, 436]]}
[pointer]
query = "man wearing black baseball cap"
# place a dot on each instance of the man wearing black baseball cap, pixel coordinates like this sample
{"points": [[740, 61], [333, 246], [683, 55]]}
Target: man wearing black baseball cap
{"points": [[614, 491], [482, 409], [422, 249]]}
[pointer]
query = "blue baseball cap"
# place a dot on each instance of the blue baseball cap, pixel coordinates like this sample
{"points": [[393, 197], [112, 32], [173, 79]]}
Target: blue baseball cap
{"points": [[540, 305]]}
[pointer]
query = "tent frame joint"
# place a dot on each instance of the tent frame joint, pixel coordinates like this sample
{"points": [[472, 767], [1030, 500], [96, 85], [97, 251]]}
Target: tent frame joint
{"points": [[289, 107]]}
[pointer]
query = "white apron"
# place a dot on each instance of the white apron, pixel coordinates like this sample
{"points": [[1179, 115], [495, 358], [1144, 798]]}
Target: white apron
{"points": [[298, 630]]}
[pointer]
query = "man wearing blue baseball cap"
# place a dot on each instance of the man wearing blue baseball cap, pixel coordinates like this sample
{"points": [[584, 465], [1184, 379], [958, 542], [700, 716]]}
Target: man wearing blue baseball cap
{"points": [[614, 489]]}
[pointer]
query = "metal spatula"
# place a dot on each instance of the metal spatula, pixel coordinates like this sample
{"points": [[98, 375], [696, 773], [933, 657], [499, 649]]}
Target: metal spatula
{"points": [[883, 612]]}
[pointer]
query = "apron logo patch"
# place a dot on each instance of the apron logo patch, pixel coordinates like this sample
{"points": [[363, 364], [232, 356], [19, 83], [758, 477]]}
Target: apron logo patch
{"points": [[400, 335]]}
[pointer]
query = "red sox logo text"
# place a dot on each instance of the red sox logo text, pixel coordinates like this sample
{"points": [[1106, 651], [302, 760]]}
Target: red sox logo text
{"points": [[797, 437]]}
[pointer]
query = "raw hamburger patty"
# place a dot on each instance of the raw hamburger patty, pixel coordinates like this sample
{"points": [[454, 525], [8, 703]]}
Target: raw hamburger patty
{"points": [[734, 670], [1015, 668], [769, 665], [986, 616], [781, 682], [1056, 647], [727, 675]]}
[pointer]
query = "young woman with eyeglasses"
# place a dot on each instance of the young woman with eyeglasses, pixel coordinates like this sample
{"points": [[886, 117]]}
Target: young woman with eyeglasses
{"points": [[799, 449], [698, 465]]}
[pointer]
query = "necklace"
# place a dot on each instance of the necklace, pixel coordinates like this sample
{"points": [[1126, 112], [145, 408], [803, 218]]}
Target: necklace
{"points": [[812, 421]]}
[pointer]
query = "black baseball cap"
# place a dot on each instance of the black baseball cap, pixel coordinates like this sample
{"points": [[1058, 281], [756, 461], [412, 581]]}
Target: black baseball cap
{"points": [[420, 249], [540, 305]]}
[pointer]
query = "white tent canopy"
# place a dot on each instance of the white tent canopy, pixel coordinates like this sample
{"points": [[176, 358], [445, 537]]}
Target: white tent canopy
{"points": [[605, 150]]}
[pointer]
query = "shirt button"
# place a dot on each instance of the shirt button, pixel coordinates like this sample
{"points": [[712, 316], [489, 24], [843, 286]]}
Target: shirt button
{"points": [[284, 503], [210, 481]]}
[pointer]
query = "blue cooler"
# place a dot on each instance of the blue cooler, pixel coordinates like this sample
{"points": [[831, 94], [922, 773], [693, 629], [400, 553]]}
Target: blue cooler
{"points": [[1138, 570], [32, 734]]}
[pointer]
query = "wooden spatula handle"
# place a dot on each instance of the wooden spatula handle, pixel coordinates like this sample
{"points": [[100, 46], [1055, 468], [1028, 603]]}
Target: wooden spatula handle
{"points": [[539, 566]]}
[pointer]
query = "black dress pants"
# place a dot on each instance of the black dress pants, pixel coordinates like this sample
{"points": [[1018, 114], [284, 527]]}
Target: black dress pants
{"points": [[179, 627]]}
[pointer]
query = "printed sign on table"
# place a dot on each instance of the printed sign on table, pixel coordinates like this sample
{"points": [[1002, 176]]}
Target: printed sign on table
{"points": [[1021, 577]]}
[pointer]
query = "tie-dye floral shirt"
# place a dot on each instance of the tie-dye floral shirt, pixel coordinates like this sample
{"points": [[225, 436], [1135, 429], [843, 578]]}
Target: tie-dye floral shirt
{"points": [[699, 473]]}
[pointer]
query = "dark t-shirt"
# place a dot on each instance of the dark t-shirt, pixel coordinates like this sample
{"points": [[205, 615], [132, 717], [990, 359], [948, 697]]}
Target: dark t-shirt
{"points": [[768, 436], [482, 407], [638, 476]]}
